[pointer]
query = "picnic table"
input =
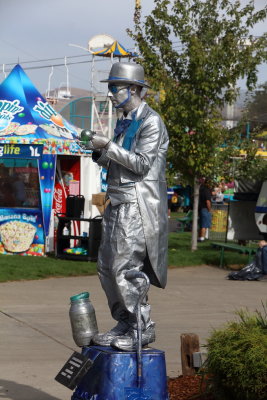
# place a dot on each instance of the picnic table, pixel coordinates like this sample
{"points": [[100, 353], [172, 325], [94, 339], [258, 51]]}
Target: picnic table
{"points": [[233, 247]]}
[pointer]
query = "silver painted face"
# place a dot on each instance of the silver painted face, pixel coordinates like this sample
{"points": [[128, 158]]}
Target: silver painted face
{"points": [[119, 95]]}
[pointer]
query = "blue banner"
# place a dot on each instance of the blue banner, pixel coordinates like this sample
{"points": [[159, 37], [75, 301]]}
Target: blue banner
{"points": [[47, 167], [20, 151]]}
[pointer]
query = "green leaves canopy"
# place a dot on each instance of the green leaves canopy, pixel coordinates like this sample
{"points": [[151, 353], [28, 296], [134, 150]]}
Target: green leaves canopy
{"points": [[193, 53]]}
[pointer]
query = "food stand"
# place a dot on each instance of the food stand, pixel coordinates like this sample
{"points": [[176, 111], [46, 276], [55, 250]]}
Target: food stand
{"points": [[40, 165]]}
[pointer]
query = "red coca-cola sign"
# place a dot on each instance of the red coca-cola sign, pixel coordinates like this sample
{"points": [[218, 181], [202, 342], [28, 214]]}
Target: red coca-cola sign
{"points": [[69, 172], [59, 203]]}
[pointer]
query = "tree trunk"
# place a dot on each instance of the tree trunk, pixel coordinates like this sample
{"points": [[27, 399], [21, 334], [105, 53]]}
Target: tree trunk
{"points": [[195, 215]]}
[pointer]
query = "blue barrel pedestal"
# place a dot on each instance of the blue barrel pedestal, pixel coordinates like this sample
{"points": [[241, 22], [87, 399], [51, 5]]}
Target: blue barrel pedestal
{"points": [[113, 375]]}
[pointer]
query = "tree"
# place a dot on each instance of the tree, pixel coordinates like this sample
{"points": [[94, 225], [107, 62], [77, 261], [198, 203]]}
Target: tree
{"points": [[257, 108], [193, 52]]}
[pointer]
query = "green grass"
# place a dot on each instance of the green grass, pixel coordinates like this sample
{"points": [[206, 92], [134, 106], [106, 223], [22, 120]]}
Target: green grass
{"points": [[14, 267]]}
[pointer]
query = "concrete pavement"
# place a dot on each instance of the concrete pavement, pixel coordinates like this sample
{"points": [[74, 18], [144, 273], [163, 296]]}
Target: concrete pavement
{"points": [[35, 333]]}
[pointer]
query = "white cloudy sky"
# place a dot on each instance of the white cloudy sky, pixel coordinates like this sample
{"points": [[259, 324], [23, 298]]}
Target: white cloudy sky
{"points": [[38, 30], [32, 30]]}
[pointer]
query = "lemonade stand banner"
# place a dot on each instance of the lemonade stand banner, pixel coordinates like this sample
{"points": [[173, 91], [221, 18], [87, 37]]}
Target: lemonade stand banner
{"points": [[27, 118], [21, 232]]}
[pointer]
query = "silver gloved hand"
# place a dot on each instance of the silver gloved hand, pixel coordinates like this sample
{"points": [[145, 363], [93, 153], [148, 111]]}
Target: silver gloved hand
{"points": [[99, 142], [84, 140], [87, 146]]}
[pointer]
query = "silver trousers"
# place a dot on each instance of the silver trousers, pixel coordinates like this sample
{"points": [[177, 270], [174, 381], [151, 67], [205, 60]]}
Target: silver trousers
{"points": [[122, 249]]}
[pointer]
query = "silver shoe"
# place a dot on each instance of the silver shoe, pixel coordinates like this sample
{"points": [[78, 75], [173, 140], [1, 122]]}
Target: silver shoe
{"points": [[129, 341], [105, 339]]}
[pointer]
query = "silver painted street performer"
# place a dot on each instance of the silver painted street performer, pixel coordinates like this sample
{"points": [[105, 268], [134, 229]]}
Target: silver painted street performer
{"points": [[135, 223]]}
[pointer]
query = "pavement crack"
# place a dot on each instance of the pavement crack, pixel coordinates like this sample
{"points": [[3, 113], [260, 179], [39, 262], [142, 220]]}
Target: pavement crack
{"points": [[36, 330]]}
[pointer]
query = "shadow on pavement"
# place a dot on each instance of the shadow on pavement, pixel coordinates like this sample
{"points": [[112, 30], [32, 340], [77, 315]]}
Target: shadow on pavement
{"points": [[16, 391]]}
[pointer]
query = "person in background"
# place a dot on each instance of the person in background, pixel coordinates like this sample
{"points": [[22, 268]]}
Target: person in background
{"points": [[7, 198], [170, 193], [217, 195], [223, 186], [263, 247], [19, 190], [255, 270], [204, 209]]}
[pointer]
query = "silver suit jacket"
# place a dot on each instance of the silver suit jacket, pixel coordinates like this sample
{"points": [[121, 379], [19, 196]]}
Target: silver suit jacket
{"points": [[145, 165]]}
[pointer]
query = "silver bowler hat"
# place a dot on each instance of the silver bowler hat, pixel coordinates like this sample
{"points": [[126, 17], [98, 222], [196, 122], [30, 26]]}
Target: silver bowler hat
{"points": [[127, 73]]}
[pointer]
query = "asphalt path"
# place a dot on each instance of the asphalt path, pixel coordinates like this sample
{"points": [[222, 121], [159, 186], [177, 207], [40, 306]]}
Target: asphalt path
{"points": [[35, 333]]}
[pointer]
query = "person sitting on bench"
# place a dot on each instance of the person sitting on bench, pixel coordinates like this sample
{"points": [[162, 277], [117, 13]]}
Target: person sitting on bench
{"points": [[257, 269]]}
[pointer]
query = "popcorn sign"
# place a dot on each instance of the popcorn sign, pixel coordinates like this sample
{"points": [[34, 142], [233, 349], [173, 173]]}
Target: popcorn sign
{"points": [[8, 109]]}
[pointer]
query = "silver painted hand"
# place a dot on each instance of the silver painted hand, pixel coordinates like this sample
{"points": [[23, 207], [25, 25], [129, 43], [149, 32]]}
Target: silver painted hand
{"points": [[99, 141], [85, 146]]}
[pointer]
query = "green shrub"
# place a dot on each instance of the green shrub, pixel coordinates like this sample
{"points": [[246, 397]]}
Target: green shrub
{"points": [[237, 358]]}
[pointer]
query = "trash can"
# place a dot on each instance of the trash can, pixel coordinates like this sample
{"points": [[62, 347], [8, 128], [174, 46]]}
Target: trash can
{"points": [[75, 206], [94, 236], [219, 222]]}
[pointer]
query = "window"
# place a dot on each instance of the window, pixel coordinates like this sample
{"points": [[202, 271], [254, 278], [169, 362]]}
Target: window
{"points": [[19, 183]]}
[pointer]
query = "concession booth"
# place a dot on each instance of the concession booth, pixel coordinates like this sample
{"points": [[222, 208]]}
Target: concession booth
{"points": [[41, 166]]}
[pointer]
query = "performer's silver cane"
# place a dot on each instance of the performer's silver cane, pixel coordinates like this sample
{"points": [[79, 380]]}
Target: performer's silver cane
{"points": [[131, 275]]}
